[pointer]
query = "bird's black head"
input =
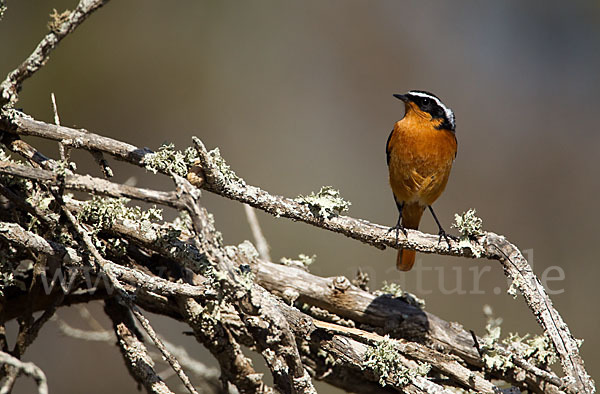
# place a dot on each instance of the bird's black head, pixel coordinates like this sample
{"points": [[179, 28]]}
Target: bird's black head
{"points": [[431, 104]]}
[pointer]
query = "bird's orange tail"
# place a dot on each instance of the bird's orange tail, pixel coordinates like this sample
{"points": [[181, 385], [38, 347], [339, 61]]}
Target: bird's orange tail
{"points": [[411, 216]]}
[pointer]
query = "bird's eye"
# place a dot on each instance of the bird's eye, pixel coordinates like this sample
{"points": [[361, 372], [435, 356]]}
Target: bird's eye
{"points": [[425, 101]]}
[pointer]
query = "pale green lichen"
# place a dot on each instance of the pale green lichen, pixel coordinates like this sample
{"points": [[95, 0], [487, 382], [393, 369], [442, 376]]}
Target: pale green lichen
{"points": [[469, 226], [7, 267], [325, 204], [384, 360], [492, 358], [513, 289], [104, 212], [468, 223], [394, 290], [303, 260], [4, 156], [538, 349], [9, 180], [247, 249], [182, 223], [64, 168], [169, 160], [246, 276], [227, 173]]}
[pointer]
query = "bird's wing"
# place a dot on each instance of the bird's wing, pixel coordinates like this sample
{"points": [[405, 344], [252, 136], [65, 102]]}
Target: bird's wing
{"points": [[387, 147]]}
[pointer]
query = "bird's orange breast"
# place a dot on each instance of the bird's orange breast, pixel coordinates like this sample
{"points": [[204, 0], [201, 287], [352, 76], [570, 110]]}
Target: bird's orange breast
{"points": [[420, 159]]}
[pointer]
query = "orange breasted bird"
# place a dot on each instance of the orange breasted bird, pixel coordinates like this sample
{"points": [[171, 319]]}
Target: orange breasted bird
{"points": [[420, 151]]}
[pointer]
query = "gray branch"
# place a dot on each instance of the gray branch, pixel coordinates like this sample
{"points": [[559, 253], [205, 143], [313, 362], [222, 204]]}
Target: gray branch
{"points": [[10, 87], [489, 245], [28, 368]]}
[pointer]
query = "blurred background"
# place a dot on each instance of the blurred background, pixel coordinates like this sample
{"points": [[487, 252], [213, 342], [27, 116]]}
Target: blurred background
{"points": [[299, 94]]}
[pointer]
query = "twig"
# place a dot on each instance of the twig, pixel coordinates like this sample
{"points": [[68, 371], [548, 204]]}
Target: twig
{"points": [[106, 267], [10, 87], [163, 349], [85, 314], [235, 367], [199, 369], [444, 363], [17, 235], [344, 297], [258, 308], [23, 204], [85, 335], [476, 343], [139, 362], [29, 369], [92, 185], [261, 243], [64, 152], [333, 294], [35, 157]]}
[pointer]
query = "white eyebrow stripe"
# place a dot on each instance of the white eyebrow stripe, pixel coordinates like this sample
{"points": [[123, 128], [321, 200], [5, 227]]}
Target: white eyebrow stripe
{"points": [[448, 111]]}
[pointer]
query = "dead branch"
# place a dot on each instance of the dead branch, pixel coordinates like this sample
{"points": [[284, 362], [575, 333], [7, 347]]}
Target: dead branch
{"points": [[227, 295], [59, 29], [489, 245], [136, 356], [29, 369]]}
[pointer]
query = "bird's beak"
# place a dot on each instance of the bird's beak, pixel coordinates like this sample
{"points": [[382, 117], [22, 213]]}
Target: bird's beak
{"points": [[402, 97]]}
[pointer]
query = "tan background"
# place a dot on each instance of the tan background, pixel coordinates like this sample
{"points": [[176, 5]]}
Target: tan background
{"points": [[299, 95]]}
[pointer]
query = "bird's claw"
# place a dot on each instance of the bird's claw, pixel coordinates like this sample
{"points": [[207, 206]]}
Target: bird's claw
{"points": [[398, 227], [443, 234]]}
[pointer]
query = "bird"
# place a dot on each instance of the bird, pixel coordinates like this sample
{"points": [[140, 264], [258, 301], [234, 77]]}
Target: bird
{"points": [[420, 152]]}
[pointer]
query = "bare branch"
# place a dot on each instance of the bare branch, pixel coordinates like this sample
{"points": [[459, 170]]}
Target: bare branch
{"points": [[63, 151], [10, 87], [261, 243], [85, 335], [136, 356], [488, 245], [106, 267], [29, 369], [91, 185]]}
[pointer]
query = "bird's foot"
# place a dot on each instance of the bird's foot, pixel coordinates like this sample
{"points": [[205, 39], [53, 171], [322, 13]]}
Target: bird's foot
{"points": [[446, 237], [398, 227]]}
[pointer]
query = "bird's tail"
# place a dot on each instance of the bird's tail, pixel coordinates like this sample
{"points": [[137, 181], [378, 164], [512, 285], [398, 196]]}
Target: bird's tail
{"points": [[411, 216]]}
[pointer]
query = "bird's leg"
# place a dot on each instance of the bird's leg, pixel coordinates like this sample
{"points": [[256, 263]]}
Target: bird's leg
{"points": [[398, 225], [441, 233]]}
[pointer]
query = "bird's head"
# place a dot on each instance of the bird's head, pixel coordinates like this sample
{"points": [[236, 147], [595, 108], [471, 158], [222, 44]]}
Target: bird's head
{"points": [[429, 106]]}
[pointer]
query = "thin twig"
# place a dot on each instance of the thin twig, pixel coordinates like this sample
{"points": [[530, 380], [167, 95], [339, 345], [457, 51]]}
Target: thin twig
{"points": [[10, 87], [92, 185], [64, 152], [85, 335], [261, 243], [106, 267], [137, 358]]}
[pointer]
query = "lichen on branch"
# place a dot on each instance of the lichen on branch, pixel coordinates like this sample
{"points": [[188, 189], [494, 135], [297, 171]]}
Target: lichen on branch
{"points": [[326, 203]]}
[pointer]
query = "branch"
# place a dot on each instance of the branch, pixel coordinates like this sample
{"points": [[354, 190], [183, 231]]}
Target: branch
{"points": [[489, 245], [334, 289], [106, 265], [10, 87], [29, 369], [139, 363], [90, 184], [261, 243]]}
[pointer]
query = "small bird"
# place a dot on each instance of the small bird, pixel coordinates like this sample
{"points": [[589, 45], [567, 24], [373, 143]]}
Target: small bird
{"points": [[420, 151]]}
